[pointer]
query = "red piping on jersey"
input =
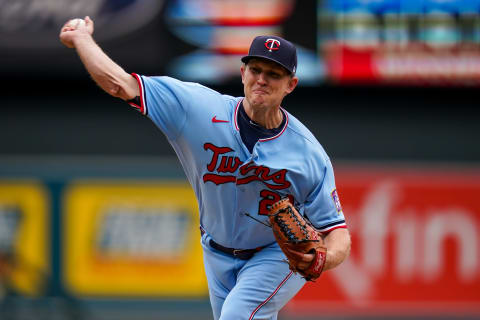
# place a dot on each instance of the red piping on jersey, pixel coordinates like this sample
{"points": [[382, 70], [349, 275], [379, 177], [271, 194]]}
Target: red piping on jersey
{"points": [[267, 139], [271, 296], [235, 115], [134, 105], [344, 226], [140, 86]]}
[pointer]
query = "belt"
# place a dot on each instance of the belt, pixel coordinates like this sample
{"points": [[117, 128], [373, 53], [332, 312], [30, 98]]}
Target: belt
{"points": [[243, 254]]}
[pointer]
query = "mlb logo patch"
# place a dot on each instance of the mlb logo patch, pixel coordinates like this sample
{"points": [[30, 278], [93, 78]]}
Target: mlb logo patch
{"points": [[336, 201]]}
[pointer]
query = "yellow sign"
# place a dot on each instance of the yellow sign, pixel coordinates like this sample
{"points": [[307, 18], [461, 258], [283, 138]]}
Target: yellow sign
{"points": [[24, 235], [132, 239]]}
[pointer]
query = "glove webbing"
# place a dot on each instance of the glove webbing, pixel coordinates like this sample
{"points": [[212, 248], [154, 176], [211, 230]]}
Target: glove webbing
{"points": [[286, 228]]}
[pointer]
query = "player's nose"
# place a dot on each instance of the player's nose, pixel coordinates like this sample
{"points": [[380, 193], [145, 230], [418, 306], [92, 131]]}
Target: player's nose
{"points": [[261, 79]]}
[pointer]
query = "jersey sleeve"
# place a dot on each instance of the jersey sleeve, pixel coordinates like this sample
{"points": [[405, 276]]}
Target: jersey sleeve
{"points": [[166, 102], [323, 206]]}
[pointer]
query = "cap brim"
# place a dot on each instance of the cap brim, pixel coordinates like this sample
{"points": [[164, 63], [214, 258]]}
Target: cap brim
{"points": [[245, 60]]}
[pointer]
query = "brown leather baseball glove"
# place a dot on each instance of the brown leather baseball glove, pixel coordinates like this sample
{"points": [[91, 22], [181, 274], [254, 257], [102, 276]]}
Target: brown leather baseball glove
{"points": [[296, 236]]}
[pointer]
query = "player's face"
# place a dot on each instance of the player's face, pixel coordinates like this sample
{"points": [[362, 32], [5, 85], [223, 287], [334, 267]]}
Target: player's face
{"points": [[266, 83]]}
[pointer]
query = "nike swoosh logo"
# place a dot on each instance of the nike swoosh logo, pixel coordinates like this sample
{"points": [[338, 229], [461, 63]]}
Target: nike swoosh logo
{"points": [[215, 120]]}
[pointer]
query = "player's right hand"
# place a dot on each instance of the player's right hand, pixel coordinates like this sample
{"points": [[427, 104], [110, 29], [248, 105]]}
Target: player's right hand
{"points": [[68, 33]]}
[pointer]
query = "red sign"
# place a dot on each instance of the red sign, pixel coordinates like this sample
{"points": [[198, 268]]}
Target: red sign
{"points": [[413, 65], [415, 245]]}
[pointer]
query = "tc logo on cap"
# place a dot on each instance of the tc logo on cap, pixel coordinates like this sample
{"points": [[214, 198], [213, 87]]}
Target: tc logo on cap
{"points": [[272, 44]]}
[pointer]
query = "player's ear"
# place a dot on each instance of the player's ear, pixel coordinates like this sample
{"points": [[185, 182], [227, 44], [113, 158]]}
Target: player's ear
{"points": [[292, 84], [242, 71]]}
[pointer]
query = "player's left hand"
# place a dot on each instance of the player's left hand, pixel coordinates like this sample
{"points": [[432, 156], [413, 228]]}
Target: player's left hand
{"points": [[69, 32], [301, 243], [305, 260]]}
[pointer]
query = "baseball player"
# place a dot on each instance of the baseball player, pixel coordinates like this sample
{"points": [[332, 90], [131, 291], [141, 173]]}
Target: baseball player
{"points": [[241, 155]]}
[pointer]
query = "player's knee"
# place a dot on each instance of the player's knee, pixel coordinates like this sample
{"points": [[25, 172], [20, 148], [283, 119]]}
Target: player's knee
{"points": [[238, 313], [233, 313]]}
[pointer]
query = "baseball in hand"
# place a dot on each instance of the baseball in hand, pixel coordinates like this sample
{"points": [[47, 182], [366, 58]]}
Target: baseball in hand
{"points": [[76, 23]]}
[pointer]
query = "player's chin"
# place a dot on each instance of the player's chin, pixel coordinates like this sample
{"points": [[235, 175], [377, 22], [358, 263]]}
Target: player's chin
{"points": [[259, 103], [259, 98]]}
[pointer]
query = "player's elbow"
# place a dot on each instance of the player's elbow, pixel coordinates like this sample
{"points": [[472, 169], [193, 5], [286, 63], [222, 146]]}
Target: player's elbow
{"points": [[117, 89], [343, 246], [125, 87], [107, 85], [118, 92], [345, 243], [348, 246], [339, 244]]}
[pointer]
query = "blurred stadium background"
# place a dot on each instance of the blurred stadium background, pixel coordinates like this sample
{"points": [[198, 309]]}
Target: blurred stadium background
{"points": [[389, 87]]}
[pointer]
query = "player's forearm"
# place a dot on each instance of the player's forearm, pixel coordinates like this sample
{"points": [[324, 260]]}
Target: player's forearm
{"points": [[338, 247], [104, 71]]}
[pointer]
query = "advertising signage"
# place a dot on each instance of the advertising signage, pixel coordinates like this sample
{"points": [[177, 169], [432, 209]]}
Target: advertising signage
{"points": [[414, 42], [415, 245]]}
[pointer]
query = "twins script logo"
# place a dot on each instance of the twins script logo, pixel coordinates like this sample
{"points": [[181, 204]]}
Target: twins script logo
{"points": [[222, 170]]}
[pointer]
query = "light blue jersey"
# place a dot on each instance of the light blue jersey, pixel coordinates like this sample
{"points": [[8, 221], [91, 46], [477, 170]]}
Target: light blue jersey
{"points": [[201, 125], [235, 188]]}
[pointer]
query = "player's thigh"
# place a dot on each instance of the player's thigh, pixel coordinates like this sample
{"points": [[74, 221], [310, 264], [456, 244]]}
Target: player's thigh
{"points": [[264, 285], [220, 277], [217, 292]]}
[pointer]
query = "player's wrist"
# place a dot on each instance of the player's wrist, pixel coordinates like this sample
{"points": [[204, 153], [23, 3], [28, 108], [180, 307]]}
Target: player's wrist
{"points": [[333, 259], [80, 38], [329, 260]]}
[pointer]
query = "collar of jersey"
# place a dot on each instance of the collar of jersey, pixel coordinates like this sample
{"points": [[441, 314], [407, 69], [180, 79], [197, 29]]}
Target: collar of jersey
{"points": [[235, 116]]}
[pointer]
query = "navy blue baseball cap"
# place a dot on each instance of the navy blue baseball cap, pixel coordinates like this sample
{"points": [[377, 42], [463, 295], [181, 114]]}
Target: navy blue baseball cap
{"points": [[275, 49]]}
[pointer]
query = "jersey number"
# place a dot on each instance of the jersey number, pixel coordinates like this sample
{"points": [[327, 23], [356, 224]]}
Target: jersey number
{"points": [[269, 198]]}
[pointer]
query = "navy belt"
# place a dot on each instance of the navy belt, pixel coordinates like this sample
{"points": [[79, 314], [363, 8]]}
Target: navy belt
{"points": [[243, 254]]}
